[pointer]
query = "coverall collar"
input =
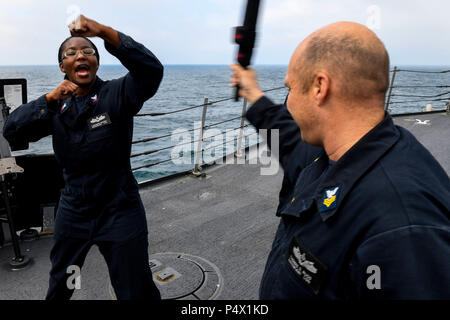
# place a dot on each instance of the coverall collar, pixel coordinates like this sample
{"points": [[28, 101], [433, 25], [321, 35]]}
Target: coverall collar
{"points": [[70, 115], [328, 189], [352, 165]]}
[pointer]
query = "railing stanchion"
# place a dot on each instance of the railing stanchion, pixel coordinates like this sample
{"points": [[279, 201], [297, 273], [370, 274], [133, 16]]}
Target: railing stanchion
{"points": [[390, 89], [239, 152], [199, 153]]}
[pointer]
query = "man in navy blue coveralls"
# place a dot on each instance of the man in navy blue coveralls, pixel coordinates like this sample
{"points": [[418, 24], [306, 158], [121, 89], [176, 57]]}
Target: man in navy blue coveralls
{"points": [[364, 206], [91, 122]]}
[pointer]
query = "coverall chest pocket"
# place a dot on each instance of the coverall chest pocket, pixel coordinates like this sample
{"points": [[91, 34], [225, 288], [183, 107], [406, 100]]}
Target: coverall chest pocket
{"points": [[99, 149], [99, 134]]}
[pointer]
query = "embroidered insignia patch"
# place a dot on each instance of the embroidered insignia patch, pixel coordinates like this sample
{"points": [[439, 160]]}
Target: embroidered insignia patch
{"points": [[306, 266], [330, 199]]}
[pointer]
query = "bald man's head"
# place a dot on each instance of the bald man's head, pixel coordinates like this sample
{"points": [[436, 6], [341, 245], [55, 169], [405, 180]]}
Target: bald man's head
{"points": [[350, 53]]}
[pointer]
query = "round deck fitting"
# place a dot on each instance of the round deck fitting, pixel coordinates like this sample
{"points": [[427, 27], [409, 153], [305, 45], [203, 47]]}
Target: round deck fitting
{"points": [[180, 276], [29, 235], [19, 263]]}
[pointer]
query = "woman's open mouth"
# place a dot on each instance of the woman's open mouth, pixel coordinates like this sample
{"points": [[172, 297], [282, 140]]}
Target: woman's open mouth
{"points": [[82, 71]]}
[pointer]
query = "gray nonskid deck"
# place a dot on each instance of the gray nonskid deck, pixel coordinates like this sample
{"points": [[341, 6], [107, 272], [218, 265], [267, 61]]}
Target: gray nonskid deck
{"points": [[434, 133], [226, 218]]}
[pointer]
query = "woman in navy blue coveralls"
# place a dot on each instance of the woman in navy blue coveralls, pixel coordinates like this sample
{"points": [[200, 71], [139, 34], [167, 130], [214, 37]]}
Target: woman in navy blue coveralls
{"points": [[91, 122]]}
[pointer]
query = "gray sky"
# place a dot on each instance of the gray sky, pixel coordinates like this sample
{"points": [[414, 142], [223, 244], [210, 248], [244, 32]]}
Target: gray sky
{"points": [[199, 31]]}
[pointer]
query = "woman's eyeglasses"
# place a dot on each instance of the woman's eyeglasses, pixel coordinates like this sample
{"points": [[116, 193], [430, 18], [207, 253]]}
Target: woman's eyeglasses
{"points": [[69, 53]]}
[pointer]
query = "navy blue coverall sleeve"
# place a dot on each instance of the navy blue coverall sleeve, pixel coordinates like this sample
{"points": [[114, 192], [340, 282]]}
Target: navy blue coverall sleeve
{"points": [[294, 154], [29, 123], [410, 262], [145, 72]]}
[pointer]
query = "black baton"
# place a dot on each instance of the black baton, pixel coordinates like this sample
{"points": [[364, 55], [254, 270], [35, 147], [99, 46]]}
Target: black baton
{"points": [[245, 37]]}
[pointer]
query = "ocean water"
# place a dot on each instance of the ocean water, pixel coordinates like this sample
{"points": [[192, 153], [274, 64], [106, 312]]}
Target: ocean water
{"points": [[187, 85]]}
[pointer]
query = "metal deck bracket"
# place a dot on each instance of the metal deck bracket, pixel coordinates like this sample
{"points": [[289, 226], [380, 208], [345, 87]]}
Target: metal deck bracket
{"points": [[8, 165], [8, 168]]}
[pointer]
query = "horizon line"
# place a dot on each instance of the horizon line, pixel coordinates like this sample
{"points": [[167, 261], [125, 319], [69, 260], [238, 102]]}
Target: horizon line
{"points": [[204, 64], [167, 64]]}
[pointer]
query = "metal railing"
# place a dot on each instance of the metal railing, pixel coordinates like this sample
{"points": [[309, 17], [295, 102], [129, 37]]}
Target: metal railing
{"points": [[416, 98], [198, 152], [198, 143]]}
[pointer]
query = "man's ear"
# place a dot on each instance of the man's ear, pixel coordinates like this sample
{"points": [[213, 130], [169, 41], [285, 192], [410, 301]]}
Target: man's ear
{"points": [[321, 87]]}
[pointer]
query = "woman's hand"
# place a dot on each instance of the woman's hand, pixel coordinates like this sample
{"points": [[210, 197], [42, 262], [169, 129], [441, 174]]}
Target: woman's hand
{"points": [[84, 27], [63, 91]]}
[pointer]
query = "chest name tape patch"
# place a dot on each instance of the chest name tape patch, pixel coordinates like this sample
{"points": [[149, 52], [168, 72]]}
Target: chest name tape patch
{"points": [[99, 121], [310, 270]]}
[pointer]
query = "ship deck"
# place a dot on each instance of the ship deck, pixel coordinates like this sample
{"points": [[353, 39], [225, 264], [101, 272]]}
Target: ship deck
{"points": [[222, 223]]}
